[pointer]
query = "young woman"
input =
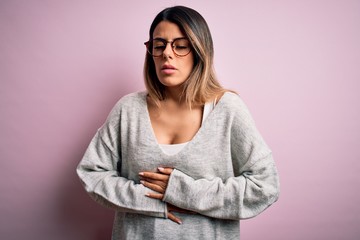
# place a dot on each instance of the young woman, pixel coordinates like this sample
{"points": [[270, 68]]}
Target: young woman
{"points": [[184, 159]]}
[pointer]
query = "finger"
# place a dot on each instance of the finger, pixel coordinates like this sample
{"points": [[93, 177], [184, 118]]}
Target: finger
{"points": [[157, 182], [173, 218], [180, 210], [147, 182], [155, 176], [155, 195], [172, 208], [167, 171], [152, 186]]}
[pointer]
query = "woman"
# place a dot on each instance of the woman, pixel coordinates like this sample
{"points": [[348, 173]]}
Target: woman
{"points": [[184, 159]]}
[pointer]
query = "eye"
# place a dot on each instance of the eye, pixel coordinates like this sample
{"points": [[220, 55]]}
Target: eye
{"points": [[181, 47], [159, 47], [181, 44], [158, 44]]}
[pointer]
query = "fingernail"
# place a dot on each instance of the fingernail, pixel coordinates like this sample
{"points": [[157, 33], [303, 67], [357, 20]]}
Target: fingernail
{"points": [[161, 169], [142, 182], [179, 222], [141, 173]]}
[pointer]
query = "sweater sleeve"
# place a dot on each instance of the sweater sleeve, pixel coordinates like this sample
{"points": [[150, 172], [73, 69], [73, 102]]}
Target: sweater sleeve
{"points": [[253, 188], [98, 172]]}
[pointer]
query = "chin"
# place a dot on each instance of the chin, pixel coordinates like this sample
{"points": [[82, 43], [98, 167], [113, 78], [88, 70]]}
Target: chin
{"points": [[171, 85], [168, 82]]}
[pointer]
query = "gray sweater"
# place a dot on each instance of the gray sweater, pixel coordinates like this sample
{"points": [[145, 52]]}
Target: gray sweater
{"points": [[224, 174]]}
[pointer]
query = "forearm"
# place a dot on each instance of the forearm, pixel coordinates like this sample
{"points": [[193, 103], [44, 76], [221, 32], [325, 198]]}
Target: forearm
{"points": [[239, 197], [98, 173]]}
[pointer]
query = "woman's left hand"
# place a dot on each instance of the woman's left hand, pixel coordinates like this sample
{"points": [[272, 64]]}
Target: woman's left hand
{"points": [[156, 181]]}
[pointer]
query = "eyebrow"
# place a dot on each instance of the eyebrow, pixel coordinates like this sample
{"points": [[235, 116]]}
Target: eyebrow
{"points": [[162, 39]]}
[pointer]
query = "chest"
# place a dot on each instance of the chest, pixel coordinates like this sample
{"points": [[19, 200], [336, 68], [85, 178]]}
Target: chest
{"points": [[176, 126], [206, 155]]}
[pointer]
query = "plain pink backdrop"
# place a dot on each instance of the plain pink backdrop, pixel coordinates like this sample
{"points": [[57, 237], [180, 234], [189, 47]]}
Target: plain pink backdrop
{"points": [[64, 64]]}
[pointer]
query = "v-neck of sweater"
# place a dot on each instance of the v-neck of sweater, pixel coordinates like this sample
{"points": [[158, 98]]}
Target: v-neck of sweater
{"points": [[196, 136]]}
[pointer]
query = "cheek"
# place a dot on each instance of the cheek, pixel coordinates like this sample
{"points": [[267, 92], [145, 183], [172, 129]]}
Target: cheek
{"points": [[157, 66], [189, 65], [156, 62]]}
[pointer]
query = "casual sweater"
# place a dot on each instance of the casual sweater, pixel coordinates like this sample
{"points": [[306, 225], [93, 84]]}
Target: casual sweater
{"points": [[224, 174]]}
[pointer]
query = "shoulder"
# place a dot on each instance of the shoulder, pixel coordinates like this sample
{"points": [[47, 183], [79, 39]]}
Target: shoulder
{"points": [[232, 102], [230, 96], [130, 103], [233, 107], [132, 99]]}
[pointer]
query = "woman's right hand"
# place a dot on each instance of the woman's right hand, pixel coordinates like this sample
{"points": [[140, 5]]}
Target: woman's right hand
{"points": [[171, 208]]}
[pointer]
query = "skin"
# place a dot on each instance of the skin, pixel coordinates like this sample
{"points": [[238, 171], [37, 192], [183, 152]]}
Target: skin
{"points": [[173, 122], [158, 183], [184, 65]]}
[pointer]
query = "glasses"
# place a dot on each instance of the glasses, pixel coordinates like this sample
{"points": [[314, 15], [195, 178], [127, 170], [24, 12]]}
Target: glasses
{"points": [[180, 46]]}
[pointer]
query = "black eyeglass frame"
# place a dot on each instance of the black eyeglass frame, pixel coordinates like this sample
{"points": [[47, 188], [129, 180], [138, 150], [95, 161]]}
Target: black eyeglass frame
{"points": [[149, 45]]}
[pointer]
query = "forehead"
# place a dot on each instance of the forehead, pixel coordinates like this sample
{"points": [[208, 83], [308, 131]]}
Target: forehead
{"points": [[167, 30]]}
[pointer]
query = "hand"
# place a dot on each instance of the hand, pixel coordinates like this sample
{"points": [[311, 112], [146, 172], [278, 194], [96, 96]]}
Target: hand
{"points": [[171, 208], [156, 181], [171, 216]]}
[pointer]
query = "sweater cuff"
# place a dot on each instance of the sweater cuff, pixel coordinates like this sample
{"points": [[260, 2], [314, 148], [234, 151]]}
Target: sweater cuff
{"points": [[177, 188]]}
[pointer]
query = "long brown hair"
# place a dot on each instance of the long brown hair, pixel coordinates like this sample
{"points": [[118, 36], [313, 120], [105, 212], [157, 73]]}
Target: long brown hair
{"points": [[202, 85]]}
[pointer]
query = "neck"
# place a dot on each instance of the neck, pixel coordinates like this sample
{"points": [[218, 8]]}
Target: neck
{"points": [[173, 94]]}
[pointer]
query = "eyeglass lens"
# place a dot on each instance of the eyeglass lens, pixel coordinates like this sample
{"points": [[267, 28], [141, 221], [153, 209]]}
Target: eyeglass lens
{"points": [[180, 46]]}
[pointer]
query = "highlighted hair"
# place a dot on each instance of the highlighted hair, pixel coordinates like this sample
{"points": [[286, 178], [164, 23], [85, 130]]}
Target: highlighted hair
{"points": [[202, 85]]}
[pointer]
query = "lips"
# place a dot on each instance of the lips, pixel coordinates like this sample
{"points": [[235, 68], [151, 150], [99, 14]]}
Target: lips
{"points": [[167, 66], [168, 69]]}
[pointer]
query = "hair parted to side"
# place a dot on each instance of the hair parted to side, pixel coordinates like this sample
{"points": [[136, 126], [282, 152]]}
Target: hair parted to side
{"points": [[202, 84]]}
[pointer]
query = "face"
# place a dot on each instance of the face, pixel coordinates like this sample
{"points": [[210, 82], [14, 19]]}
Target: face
{"points": [[171, 69]]}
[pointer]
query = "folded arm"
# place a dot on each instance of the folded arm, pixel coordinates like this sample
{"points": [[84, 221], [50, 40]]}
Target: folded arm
{"points": [[240, 197], [98, 173]]}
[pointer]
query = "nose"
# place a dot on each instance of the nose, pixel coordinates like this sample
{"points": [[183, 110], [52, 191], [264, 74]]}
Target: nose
{"points": [[168, 51]]}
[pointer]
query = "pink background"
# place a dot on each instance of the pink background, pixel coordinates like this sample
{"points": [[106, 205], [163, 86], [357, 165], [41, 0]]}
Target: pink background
{"points": [[63, 65]]}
